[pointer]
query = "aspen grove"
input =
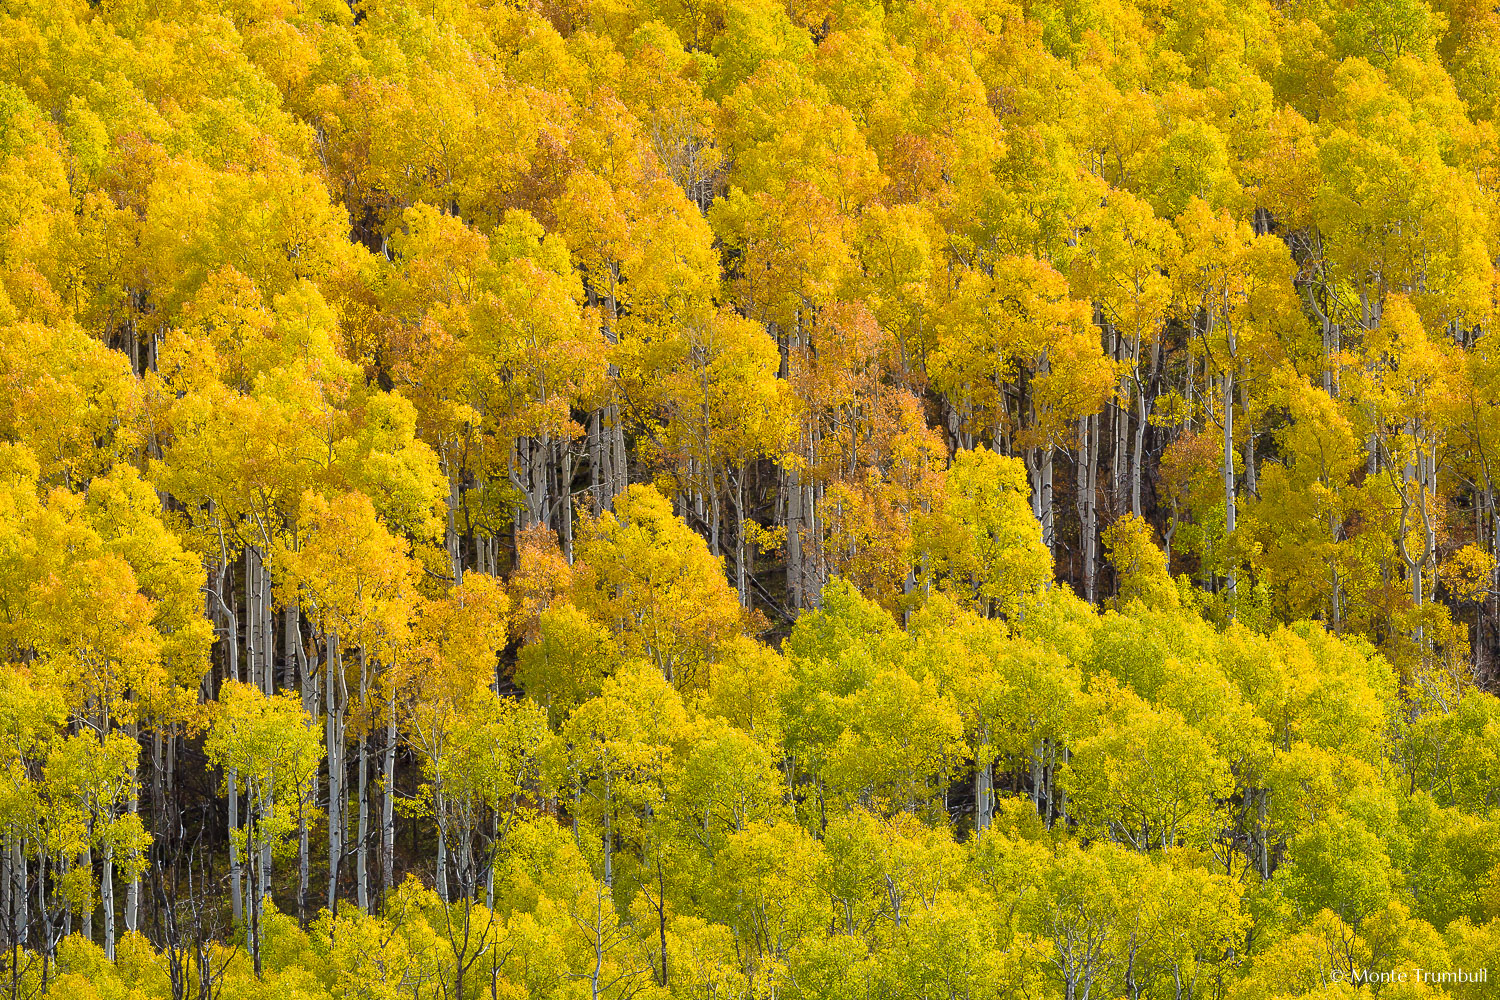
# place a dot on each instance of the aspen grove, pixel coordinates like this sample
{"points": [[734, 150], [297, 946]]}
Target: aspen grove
{"points": [[743, 500]]}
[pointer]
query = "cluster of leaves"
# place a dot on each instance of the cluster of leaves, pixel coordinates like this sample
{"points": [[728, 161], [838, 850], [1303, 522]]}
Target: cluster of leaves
{"points": [[1136, 802], [1231, 266], [415, 417]]}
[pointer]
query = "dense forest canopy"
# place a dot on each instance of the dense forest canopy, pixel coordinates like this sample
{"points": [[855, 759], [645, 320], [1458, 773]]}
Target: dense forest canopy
{"points": [[724, 499]]}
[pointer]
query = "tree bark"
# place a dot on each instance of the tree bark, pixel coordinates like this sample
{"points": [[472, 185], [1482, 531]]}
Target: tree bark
{"points": [[133, 888], [86, 914], [1228, 469], [362, 852], [307, 686], [1087, 481], [794, 556], [20, 893], [984, 783], [334, 737], [107, 900], [232, 649], [450, 535], [388, 799], [1040, 469], [442, 846], [741, 549], [1142, 412], [1251, 487]]}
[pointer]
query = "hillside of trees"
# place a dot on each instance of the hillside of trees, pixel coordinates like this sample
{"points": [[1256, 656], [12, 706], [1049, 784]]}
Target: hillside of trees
{"points": [[733, 500]]}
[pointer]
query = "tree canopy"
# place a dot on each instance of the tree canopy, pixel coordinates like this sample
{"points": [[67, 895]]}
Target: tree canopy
{"points": [[734, 499]]}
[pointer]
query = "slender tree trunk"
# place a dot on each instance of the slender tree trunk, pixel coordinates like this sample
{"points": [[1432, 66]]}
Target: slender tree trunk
{"points": [[565, 498], [259, 671], [1087, 477], [620, 467], [307, 687], [593, 447], [1251, 486], [252, 619], [44, 914], [1120, 420], [20, 891], [1494, 518], [257, 896], [388, 799], [814, 564], [539, 462], [464, 862], [263, 863], [1138, 452], [362, 852], [1037, 782], [489, 869], [265, 644], [86, 912], [267, 626], [291, 639], [133, 341], [1328, 357], [442, 846], [6, 884], [334, 736], [1229, 494], [107, 900], [794, 555], [741, 549], [232, 648], [303, 851], [133, 887], [1061, 794], [609, 839], [455, 553], [715, 512], [983, 785], [1040, 468]]}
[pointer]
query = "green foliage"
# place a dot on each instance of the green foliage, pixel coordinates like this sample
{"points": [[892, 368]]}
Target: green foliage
{"points": [[273, 746], [748, 500]]}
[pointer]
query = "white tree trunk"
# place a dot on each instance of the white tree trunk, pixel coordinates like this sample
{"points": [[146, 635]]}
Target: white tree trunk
{"points": [[1229, 495], [794, 557], [442, 847], [232, 647], [20, 893], [334, 736], [983, 787], [362, 853], [1086, 475], [388, 801], [86, 914], [133, 888], [107, 901]]}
